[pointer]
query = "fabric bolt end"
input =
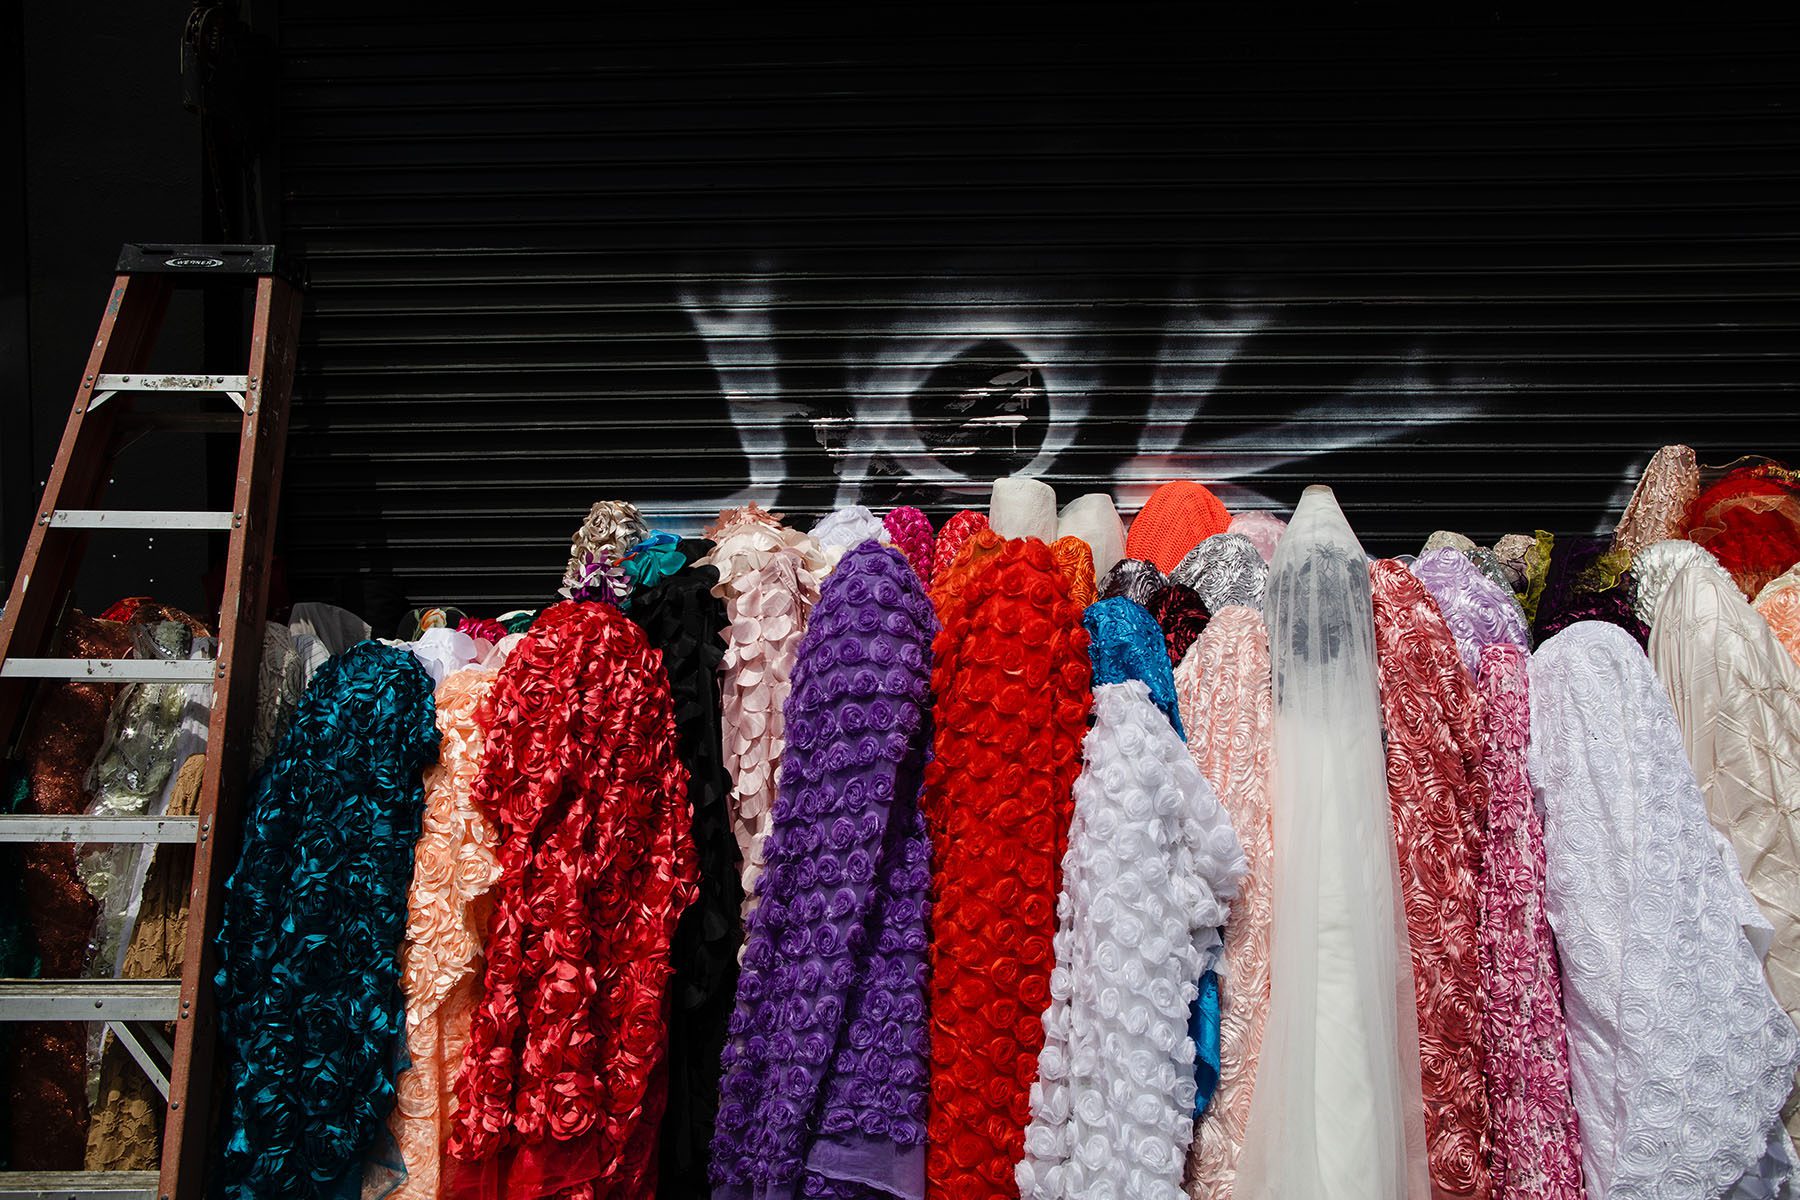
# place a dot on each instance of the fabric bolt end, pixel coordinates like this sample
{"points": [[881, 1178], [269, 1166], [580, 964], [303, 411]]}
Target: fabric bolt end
{"points": [[1095, 520], [910, 531], [1183, 617], [1023, 507], [1075, 560], [1779, 604], [1178, 516], [1135, 579], [1478, 611], [951, 538], [1750, 519], [1263, 528], [1659, 504], [1226, 568]]}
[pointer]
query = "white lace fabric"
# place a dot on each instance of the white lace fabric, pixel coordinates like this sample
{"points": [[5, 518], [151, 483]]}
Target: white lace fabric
{"points": [[1151, 867], [1679, 1054]]}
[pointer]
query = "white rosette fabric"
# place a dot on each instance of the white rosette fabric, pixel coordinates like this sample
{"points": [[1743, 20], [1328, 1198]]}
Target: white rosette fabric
{"points": [[1151, 867]]}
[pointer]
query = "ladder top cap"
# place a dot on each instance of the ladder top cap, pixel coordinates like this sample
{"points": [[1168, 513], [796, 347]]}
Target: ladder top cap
{"points": [[194, 265]]}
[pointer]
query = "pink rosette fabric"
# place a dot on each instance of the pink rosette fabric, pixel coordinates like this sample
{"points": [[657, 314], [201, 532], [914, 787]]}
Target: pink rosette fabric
{"points": [[769, 579], [1227, 707], [909, 531], [1779, 604], [1531, 1111], [447, 911]]}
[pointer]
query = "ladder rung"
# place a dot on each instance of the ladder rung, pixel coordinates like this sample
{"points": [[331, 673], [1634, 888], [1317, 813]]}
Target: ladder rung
{"points": [[78, 1185], [89, 999], [111, 670], [99, 829], [185, 384], [119, 518]]}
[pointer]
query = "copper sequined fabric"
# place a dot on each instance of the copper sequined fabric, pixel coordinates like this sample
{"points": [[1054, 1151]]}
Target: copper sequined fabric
{"points": [[126, 1131], [46, 1079]]}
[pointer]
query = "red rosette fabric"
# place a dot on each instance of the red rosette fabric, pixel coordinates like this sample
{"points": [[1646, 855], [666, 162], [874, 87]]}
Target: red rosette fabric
{"points": [[1012, 696], [563, 1083], [1432, 715], [957, 530]]}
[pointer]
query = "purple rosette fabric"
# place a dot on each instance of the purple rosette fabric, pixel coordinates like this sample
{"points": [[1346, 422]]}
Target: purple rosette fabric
{"points": [[824, 1087], [1479, 611]]}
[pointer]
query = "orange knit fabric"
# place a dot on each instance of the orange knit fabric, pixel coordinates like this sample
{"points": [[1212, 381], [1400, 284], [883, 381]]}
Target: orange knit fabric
{"points": [[1178, 516]]}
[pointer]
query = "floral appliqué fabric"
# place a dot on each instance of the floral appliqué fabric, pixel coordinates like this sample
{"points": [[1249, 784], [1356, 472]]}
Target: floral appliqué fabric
{"points": [[769, 580], [1012, 695], [447, 910], [310, 1008], [1228, 705], [1431, 713], [1536, 1145], [824, 1084], [561, 1088], [1671, 1023], [1478, 611], [1151, 867], [1779, 604], [1124, 642]]}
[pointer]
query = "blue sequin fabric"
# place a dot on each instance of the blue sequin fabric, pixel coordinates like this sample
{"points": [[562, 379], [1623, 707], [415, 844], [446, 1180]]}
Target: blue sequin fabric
{"points": [[1127, 643], [310, 1010]]}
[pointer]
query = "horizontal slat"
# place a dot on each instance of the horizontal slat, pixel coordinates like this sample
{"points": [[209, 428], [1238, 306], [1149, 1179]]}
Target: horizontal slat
{"points": [[111, 670], [89, 999], [77, 1185], [114, 518], [98, 829], [202, 384]]}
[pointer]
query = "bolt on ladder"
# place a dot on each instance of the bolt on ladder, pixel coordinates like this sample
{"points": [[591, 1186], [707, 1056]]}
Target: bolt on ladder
{"points": [[106, 417]]}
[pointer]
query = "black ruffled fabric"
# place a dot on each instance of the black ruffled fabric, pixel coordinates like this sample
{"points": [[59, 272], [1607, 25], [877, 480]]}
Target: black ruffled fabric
{"points": [[682, 618]]}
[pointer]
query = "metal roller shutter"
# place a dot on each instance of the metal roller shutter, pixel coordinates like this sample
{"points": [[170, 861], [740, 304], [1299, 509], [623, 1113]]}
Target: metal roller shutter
{"points": [[1470, 271]]}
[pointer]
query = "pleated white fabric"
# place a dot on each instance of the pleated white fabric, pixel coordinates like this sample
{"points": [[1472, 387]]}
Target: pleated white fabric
{"points": [[1337, 1113]]}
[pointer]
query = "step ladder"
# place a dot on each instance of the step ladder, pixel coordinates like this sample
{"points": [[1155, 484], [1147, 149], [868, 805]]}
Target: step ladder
{"points": [[107, 416]]}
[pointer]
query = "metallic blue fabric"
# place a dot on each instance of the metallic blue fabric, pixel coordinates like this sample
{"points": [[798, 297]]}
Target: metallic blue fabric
{"points": [[1127, 643]]}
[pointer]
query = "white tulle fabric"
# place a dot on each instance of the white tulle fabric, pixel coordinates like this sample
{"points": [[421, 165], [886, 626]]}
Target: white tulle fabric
{"points": [[1680, 1055], [1736, 696], [1655, 567], [1151, 867], [1338, 1112], [1227, 707], [769, 579]]}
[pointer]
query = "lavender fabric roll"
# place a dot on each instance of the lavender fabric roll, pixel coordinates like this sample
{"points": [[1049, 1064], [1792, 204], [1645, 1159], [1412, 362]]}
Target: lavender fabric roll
{"points": [[824, 1078], [1479, 611]]}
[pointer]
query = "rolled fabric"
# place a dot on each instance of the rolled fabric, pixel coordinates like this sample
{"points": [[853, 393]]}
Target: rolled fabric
{"points": [[1586, 580], [1094, 520], [1227, 705], [1779, 604], [1182, 617], [1178, 516], [1022, 507], [1438, 798], [1655, 567], [1478, 611], [1736, 696], [910, 530], [1125, 642], [839, 532], [610, 529], [1075, 560], [1658, 508], [956, 531], [1750, 519], [1225, 569], [1263, 528], [1446, 539], [1136, 579], [1671, 1022], [1336, 1113], [1531, 1111]]}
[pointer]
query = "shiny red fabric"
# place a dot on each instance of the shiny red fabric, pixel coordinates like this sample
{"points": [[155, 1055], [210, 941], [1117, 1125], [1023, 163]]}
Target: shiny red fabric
{"points": [[563, 1084], [1012, 697], [1750, 520], [1432, 714]]}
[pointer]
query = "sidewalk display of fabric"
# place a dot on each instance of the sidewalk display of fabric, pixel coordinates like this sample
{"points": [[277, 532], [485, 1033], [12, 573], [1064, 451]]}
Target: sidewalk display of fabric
{"points": [[1671, 1023], [824, 1078]]}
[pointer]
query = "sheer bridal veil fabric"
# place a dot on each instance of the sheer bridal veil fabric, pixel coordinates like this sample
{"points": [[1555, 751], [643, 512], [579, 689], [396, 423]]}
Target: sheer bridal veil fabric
{"points": [[1337, 1112]]}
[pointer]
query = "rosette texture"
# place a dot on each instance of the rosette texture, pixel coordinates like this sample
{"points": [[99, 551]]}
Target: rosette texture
{"points": [[1779, 604], [1227, 704], [825, 1070], [1736, 696], [1432, 715], [910, 531], [1226, 568], [1182, 617], [1136, 579], [1672, 1026], [1012, 692], [957, 530], [1075, 559], [310, 1009], [769, 579], [1124, 642], [447, 910], [610, 529], [1478, 611], [1659, 504], [1656, 567], [1536, 1145], [562, 1085], [683, 620], [1151, 867], [840, 531], [1263, 528]]}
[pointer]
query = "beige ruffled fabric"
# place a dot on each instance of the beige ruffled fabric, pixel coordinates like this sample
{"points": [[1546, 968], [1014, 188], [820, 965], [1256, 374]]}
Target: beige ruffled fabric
{"points": [[1779, 604], [126, 1128], [1659, 504], [447, 912], [769, 579], [611, 527]]}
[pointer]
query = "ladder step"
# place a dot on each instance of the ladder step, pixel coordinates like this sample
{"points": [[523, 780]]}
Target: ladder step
{"points": [[143, 830], [78, 1185], [89, 999], [118, 518], [112, 670], [205, 385]]}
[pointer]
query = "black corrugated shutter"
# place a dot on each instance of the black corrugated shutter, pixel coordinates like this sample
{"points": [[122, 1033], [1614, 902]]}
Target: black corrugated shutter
{"points": [[1470, 272]]}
